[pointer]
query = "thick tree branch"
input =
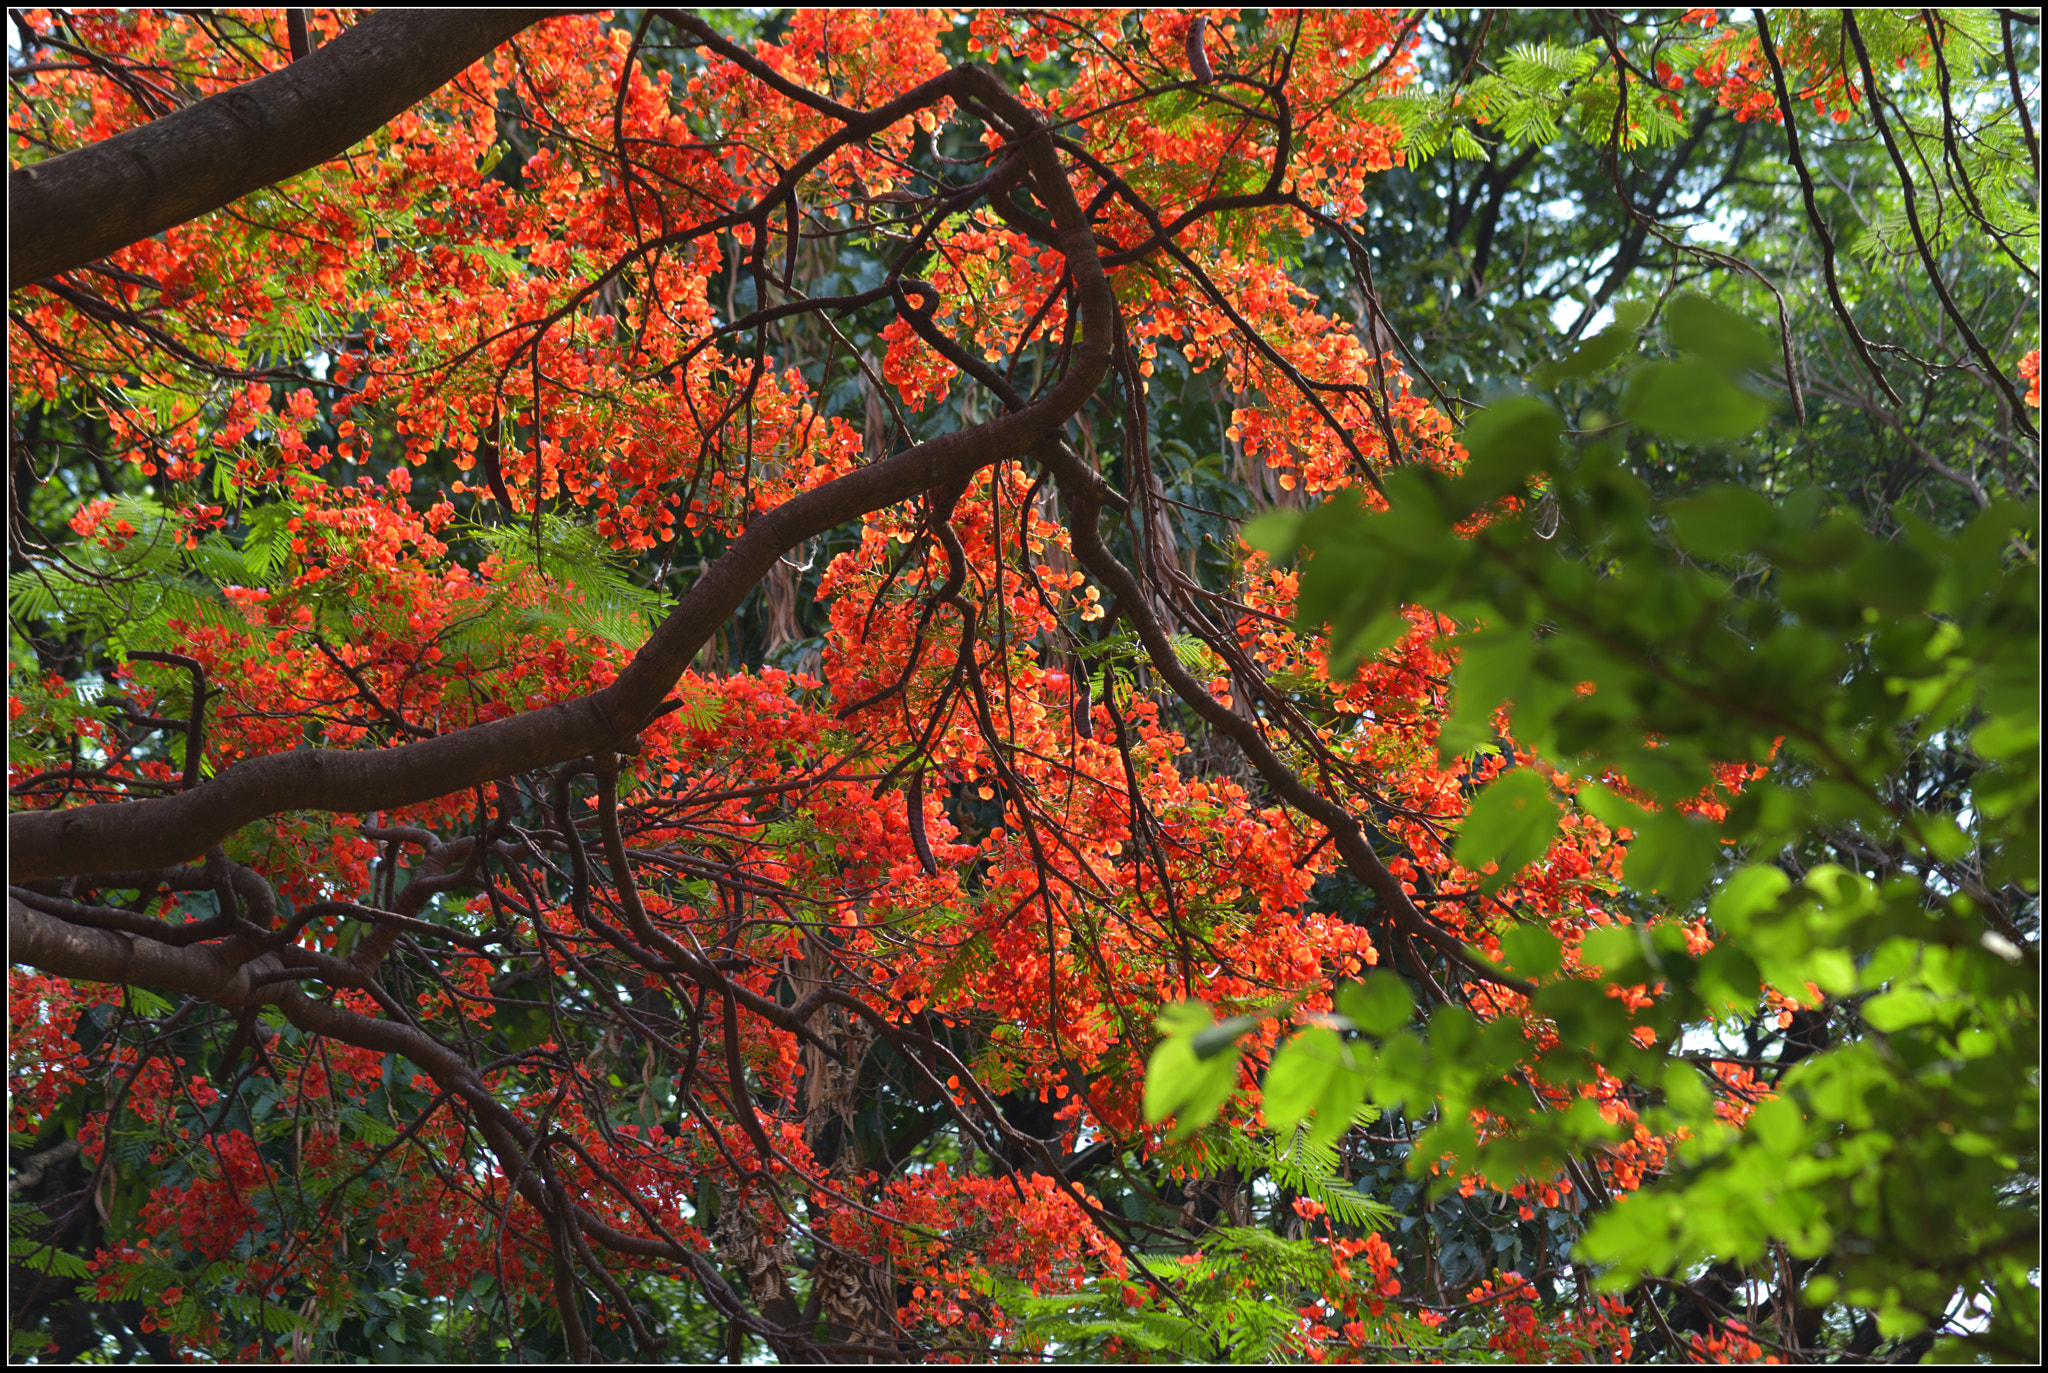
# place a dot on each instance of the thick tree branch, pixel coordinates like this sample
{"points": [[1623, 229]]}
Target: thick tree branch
{"points": [[226, 974], [85, 204], [169, 830]]}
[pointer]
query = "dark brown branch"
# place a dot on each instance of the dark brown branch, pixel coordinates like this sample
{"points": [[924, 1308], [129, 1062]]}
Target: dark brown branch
{"points": [[84, 204], [1814, 216], [169, 830], [1198, 56], [298, 27], [1344, 829], [1992, 370], [2019, 97], [195, 725]]}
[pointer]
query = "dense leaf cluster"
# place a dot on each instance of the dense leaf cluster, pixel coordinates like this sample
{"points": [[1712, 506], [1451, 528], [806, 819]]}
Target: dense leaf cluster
{"points": [[881, 685]]}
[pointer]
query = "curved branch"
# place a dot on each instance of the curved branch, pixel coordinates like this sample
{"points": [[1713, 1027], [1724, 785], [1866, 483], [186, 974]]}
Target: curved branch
{"points": [[1935, 279], [1788, 116], [227, 974], [87, 203], [1343, 827], [163, 831]]}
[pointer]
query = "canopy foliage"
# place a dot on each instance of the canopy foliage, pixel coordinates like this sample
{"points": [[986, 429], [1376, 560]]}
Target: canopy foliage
{"points": [[1240, 686]]}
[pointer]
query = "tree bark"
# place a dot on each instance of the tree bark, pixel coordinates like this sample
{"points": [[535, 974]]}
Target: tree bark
{"points": [[81, 205], [224, 974], [169, 830]]}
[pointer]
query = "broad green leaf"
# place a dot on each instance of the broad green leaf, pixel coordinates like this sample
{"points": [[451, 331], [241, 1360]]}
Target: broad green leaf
{"points": [[1510, 825], [1379, 1005], [1531, 951], [1776, 1123], [1724, 522], [1492, 667], [1671, 855], [1590, 358], [1632, 315], [1180, 1082], [1216, 1039], [1610, 807], [2006, 736], [1832, 970], [1747, 893], [1277, 533], [1357, 641], [1943, 837], [1613, 948], [1718, 334], [1898, 1010], [1685, 1093], [1315, 1072], [1693, 402], [1508, 443]]}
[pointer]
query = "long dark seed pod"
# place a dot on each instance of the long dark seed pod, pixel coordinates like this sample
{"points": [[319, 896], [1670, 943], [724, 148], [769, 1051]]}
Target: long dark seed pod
{"points": [[1084, 707], [913, 805], [1198, 58]]}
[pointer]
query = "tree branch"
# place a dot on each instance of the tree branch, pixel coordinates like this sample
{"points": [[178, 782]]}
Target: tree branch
{"points": [[163, 831], [84, 204]]}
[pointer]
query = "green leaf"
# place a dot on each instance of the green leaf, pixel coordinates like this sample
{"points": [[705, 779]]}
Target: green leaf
{"points": [[1314, 1072], [1594, 356], [1724, 522], [1898, 1010], [367, 1127], [1693, 402], [1180, 1082], [147, 1003], [1363, 567], [1492, 667], [1379, 1005], [1277, 533], [1718, 335], [1671, 855], [1685, 1093], [1613, 948], [1748, 892], [1776, 1123], [1943, 837], [1532, 951], [1508, 443], [1217, 1038], [1632, 315], [1510, 825], [1832, 970], [44, 1258], [2005, 737]]}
